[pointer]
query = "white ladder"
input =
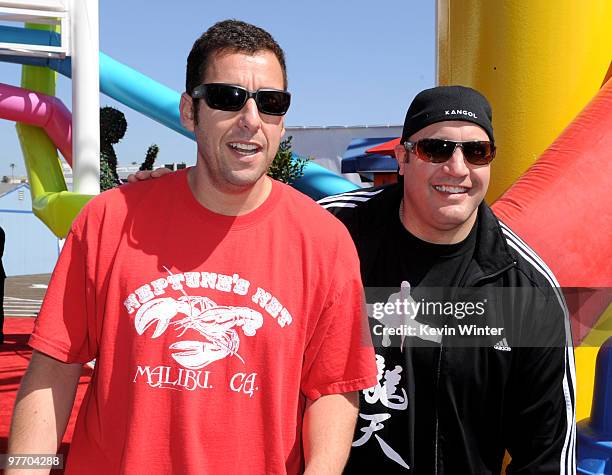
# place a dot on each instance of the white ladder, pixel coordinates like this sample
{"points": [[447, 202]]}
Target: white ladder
{"points": [[78, 20], [46, 12]]}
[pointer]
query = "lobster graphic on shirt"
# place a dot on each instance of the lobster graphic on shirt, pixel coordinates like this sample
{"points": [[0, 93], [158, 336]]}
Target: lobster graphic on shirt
{"points": [[215, 323]]}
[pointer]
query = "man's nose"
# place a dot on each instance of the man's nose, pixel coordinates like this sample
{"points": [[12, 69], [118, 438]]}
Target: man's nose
{"points": [[249, 115], [457, 164]]}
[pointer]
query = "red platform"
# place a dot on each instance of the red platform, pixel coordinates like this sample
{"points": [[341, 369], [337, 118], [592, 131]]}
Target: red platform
{"points": [[15, 356]]}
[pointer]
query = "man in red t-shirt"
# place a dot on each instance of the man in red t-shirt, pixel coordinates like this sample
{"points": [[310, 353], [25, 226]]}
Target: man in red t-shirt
{"points": [[222, 307]]}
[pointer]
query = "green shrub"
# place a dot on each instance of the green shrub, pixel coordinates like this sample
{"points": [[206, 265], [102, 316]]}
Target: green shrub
{"points": [[113, 127], [285, 169]]}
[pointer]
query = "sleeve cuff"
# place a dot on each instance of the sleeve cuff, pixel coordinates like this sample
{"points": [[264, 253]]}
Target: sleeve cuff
{"points": [[341, 387], [53, 350]]}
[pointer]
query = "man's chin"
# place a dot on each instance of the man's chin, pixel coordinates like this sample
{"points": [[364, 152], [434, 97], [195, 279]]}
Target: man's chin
{"points": [[451, 217], [245, 179]]}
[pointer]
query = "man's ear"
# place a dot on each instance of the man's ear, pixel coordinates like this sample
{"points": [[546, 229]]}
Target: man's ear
{"points": [[186, 111], [401, 155]]}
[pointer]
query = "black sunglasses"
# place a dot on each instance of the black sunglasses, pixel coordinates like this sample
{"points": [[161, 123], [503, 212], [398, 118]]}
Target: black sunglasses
{"points": [[439, 151], [228, 97]]}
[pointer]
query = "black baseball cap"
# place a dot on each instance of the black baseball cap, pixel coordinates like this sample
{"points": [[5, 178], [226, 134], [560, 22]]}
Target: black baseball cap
{"points": [[443, 103]]}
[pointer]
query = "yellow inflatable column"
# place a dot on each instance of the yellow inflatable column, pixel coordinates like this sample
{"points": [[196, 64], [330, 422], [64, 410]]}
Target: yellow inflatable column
{"points": [[539, 62]]}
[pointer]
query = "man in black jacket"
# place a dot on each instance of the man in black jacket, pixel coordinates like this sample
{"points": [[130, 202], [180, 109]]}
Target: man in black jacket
{"points": [[456, 387]]}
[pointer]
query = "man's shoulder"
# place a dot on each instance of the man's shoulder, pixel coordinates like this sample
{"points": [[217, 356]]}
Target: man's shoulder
{"points": [[364, 203], [304, 221], [114, 205], [543, 315], [309, 215], [534, 270]]}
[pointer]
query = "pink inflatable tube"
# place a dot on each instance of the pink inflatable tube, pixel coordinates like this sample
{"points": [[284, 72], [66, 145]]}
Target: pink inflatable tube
{"points": [[40, 110]]}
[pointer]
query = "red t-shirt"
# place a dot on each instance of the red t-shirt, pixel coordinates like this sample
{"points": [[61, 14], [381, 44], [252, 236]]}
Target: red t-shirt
{"points": [[208, 331]]}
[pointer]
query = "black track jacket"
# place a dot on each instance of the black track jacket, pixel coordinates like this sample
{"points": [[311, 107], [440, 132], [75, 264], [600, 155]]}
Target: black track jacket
{"points": [[515, 394]]}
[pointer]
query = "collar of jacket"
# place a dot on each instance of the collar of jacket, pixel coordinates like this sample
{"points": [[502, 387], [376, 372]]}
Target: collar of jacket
{"points": [[492, 253]]}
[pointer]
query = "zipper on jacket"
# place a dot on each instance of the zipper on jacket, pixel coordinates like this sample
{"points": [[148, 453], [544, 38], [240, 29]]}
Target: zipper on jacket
{"points": [[488, 276], [494, 274], [437, 384]]}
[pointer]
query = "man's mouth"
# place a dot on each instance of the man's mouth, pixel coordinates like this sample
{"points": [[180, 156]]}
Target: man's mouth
{"points": [[451, 189], [244, 148]]}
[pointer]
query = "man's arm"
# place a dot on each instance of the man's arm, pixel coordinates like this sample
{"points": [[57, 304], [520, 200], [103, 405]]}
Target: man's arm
{"points": [[540, 426], [329, 423], [540, 418], [43, 406]]}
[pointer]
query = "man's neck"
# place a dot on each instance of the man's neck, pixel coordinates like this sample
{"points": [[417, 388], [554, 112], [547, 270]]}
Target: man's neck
{"points": [[452, 235], [231, 200]]}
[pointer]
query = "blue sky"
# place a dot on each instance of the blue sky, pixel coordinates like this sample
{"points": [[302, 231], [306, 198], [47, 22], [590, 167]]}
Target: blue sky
{"points": [[349, 63]]}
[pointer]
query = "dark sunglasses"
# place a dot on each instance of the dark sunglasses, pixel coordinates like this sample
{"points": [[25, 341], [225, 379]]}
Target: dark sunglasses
{"points": [[227, 97], [439, 151]]}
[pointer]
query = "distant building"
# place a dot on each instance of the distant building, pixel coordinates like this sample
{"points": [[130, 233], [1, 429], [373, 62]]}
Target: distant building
{"points": [[122, 170], [14, 179], [328, 144], [175, 166], [30, 247]]}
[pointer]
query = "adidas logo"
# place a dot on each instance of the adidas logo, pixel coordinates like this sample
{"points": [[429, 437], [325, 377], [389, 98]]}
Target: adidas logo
{"points": [[502, 345]]}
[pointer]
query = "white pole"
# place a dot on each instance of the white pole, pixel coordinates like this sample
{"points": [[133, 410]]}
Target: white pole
{"points": [[85, 50]]}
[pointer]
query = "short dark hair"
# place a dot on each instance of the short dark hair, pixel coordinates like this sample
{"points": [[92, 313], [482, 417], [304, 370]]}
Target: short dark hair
{"points": [[229, 36]]}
